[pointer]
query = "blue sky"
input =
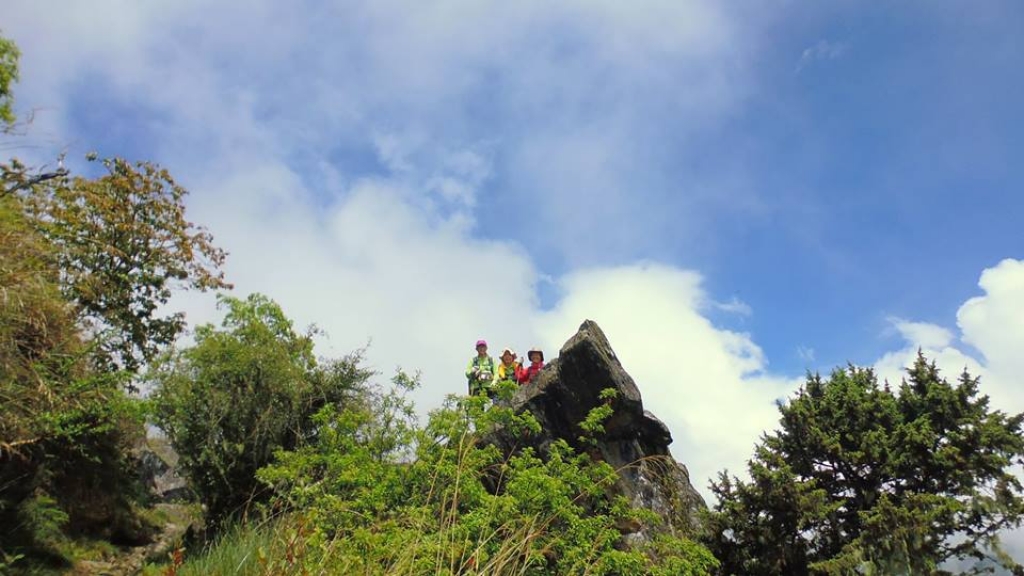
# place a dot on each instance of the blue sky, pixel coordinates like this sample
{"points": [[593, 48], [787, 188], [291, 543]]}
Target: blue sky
{"points": [[888, 163], [865, 169], [736, 193]]}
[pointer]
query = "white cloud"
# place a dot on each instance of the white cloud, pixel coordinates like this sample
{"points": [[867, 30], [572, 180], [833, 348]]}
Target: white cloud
{"points": [[248, 106], [993, 324], [934, 342], [735, 306], [373, 266], [922, 333], [805, 353], [572, 98], [822, 51], [455, 176]]}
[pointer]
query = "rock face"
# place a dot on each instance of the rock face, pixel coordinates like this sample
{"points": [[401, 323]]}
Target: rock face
{"points": [[158, 469], [635, 442]]}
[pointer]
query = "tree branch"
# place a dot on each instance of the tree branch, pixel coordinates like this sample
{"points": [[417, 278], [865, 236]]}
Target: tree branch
{"points": [[37, 179]]}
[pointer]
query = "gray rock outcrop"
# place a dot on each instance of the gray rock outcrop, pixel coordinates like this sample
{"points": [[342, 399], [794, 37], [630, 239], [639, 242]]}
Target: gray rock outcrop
{"points": [[158, 470], [635, 442]]}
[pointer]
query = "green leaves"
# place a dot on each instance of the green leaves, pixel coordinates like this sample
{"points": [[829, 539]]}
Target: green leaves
{"points": [[244, 391], [593, 425], [123, 246], [9, 55], [44, 517], [861, 479], [434, 499], [85, 267], [65, 427]]}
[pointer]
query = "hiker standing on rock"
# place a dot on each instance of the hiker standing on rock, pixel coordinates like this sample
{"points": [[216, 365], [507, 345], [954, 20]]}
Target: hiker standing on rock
{"points": [[536, 358], [480, 372], [510, 369]]}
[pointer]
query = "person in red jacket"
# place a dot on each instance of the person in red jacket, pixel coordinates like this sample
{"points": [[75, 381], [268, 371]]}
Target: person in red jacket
{"points": [[536, 358]]}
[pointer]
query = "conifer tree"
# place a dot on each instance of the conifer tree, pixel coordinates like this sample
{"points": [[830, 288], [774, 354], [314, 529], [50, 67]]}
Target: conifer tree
{"points": [[864, 479]]}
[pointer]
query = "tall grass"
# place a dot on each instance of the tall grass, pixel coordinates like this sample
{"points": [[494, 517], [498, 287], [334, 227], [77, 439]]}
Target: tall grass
{"points": [[238, 551], [283, 547]]}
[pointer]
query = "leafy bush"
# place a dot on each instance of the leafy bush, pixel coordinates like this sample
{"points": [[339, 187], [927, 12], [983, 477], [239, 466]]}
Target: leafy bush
{"points": [[8, 75], [242, 549], [242, 392], [380, 494], [85, 267], [66, 428]]}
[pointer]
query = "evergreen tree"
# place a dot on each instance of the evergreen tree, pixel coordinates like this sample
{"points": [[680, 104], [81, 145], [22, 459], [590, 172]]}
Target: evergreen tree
{"points": [[861, 479]]}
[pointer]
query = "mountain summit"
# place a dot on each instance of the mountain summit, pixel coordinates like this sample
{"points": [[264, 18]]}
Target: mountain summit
{"points": [[634, 442]]}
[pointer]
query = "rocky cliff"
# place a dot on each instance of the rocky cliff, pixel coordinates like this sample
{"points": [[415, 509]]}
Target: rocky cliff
{"points": [[635, 442]]}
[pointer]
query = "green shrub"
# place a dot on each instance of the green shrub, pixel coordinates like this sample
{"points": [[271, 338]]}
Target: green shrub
{"points": [[242, 392], [381, 495], [66, 428]]}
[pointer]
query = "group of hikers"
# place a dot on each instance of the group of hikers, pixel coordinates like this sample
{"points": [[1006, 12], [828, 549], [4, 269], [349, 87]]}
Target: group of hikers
{"points": [[484, 374]]}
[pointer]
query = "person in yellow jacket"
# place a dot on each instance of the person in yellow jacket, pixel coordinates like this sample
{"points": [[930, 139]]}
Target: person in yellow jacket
{"points": [[510, 369], [481, 370]]}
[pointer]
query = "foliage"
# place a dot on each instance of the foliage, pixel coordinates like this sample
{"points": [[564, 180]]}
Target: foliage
{"points": [[243, 549], [380, 494], [122, 244], [864, 480], [75, 250], [8, 76], [65, 428], [243, 391]]}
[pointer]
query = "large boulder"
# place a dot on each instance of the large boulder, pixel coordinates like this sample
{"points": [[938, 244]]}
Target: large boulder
{"points": [[158, 468], [635, 442]]}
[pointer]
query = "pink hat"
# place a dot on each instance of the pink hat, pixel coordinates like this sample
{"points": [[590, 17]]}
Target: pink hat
{"points": [[480, 343]]}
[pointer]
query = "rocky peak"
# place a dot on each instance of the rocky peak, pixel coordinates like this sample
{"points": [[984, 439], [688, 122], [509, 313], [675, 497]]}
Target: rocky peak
{"points": [[635, 441]]}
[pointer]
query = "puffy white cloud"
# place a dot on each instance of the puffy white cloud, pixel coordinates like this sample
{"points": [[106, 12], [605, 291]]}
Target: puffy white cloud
{"points": [[424, 293], [934, 341], [991, 326], [573, 98], [994, 323], [373, 267], [250, 105], [922, 333]]}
